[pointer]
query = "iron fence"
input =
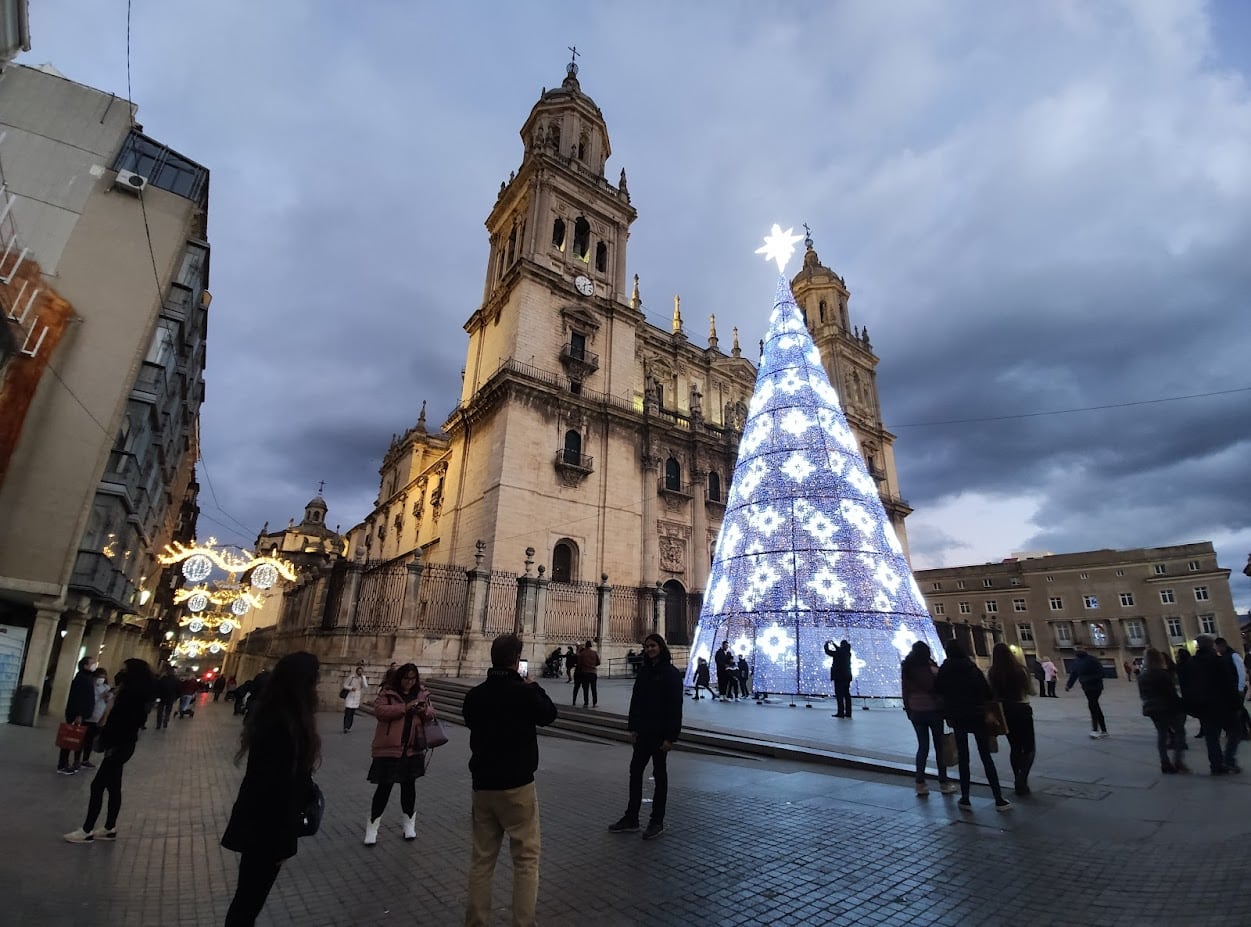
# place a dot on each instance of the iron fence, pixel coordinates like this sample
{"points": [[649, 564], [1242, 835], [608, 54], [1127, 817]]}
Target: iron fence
{"points": [[626, 614], [444, 599], [501, 607], [380, 602], [572, 611]]}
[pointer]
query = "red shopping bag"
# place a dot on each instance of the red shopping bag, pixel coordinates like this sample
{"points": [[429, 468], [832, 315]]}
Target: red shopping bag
{"points": [[70, 736]]}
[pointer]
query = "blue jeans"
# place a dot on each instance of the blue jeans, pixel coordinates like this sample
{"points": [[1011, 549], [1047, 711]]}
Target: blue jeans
{"points": [[928, 726]]}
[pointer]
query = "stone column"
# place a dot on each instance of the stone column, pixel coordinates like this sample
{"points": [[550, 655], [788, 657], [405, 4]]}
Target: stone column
{"points": [[39, 651], [95, 636], [540, 604], [603, 613], [351, 589], [412, 594], [651, 540], [476, 599], [527, 589], [699, 542], [658, 610], [111, 654], [67, 662]]}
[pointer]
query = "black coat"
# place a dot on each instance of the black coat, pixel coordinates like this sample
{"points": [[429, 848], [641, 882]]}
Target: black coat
{"points": [[503, 715], [81, 701], [840, 663], [265, 819], [126, 717], [1088, 671], [1209, 685], [1158, 694], [656, 702], [965, 693]]}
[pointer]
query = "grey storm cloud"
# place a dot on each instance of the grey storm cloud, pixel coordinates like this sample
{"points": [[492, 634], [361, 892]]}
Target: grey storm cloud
{"points": [[1036, 207]]}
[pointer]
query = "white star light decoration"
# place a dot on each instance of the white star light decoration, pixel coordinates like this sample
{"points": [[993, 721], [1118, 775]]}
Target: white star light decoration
{"points": [[806, 552]]}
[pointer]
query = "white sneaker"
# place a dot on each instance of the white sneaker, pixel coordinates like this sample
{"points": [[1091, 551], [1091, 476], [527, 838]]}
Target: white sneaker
{"points": [[410, 827], [371, 831], [1094, 735], [79, 836], [1103, 734], [948, 788], [105, 833]]}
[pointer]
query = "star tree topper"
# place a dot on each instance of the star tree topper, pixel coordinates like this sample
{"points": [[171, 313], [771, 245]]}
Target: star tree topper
{"points": [[779, 246]]}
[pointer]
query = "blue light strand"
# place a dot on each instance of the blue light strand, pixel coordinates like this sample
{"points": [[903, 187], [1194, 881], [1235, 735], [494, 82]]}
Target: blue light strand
{"points": [[806, 553]]}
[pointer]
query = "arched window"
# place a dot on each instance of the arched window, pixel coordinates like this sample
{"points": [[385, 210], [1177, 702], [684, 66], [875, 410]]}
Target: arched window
{"points": [[558, 234], [601, 257], [581, 238], [673, 475], [573, 448], [714, 486], [821, 309], [582, 148], [565, 562], [675, 613], [512, 247]]}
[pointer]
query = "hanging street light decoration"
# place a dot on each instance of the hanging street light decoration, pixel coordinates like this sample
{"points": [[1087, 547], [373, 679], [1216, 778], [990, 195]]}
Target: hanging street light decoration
{"points": [[198, 561]]}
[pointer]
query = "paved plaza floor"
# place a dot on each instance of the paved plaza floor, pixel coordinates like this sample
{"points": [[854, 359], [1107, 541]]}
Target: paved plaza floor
{"points": [[1105, 839]]}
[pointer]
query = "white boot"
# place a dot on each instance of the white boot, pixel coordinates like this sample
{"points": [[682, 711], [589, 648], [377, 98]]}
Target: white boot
{"points": [[410, 827], [371, 831]]}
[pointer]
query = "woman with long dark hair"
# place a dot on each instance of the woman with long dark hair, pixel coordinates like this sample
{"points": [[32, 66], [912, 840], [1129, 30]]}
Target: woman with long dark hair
{"points": [[924, 710], [283, 748], [1009, 683], [402, 708], [1157, 688], [117, 739], [966, 694]]}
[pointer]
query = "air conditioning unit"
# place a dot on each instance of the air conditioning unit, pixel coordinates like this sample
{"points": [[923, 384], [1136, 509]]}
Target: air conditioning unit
{"points": [[128, 180]]}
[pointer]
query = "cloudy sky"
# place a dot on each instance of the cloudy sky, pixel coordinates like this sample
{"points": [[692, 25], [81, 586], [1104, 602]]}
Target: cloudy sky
{"points": [[1043, 212]]}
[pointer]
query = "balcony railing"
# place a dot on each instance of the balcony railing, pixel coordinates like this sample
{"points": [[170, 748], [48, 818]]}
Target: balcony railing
{"points": [[572, 460], [578, 362], [675, 488]]}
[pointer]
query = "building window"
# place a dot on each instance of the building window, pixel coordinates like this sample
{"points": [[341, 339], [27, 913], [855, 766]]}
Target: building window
{"points": [[1120, 572], [714, 486], [577, 346], [1193, 566], [1135, 633], [1161, 569], [987, 583], [940, 608], [564, 561], [582, 148], [673, 475], [1207, 624], [1201, 593], [1167, 597], [1174, 626], [1064, 635], [936, 587], [959, 584], [1025, 633], [1051, 579], [558, 234], [965, 609], [1015, 581], [1085, 576], [1098, 634], [1127, 599], [581, 239], [601, 257], [991, 606], [573, 448], [1056, 603], [163, 167], [1018, 605], [1090, 601]]}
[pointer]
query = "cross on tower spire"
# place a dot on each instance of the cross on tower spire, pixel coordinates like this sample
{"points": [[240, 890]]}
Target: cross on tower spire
{"points": [[320, 486]]}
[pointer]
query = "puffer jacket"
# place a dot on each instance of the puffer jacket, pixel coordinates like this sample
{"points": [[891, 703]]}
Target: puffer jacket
{"points": [[395, 722], [918, 686], [965, 693]]}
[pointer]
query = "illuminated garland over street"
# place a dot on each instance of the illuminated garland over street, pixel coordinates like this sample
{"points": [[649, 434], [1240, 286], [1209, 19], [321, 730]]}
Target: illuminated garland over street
{"points": [[806, 554], [199, 559]]}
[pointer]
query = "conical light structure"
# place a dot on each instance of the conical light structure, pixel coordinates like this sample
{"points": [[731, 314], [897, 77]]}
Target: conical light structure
{"points": [[806, 555]]}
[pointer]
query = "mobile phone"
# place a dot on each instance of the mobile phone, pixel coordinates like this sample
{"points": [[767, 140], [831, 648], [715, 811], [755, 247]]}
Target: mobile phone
{"points": [[524, 669]]}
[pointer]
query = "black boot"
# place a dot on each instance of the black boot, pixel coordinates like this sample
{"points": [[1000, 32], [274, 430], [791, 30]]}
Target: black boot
{"points": [[1020, 769]]}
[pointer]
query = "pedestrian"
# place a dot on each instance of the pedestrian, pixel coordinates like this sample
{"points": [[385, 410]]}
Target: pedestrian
{"points": [[167, 693], [355, 686], [1036, 670], [1129, 671], [703, 680], [1234, 723], [840, 675], [104, 696], [118, 737], [744, 676], [923, 708], [585, 677], [398, 748], [1049, 675], [219, 686], [231, 685], [283, 748], [243, 692], [654, 724], [722, 661], [1207, 690], [1162, 704], [256, 689], [571, 662], [79, 704], [966, 697], [502, 715], [188, 689], [1010, 685], [1089, 672]]}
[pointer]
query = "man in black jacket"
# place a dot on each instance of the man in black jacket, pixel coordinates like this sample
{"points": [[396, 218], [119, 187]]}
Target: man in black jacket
{"points": [[654, 724], [502, 715], [78, 708], [1208, 685]]}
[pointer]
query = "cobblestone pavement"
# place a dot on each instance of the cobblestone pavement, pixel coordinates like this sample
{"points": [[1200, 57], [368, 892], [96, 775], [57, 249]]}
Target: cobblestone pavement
{"points": [[748, 842]]}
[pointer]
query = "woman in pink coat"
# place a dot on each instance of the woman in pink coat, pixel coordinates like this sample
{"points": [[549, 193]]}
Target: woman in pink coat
{"points": [[401, 708]]}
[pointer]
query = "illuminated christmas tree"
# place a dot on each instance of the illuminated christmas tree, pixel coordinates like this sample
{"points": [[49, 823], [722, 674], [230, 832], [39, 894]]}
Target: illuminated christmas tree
{"points": [[806, 553]]}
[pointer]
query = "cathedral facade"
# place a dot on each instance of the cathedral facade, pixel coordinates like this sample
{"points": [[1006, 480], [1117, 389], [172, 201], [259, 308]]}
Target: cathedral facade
{"points": [[587, 443]]}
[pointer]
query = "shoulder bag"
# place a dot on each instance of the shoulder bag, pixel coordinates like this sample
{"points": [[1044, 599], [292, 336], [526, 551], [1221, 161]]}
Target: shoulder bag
{"points": [[996, 721], [311, 813], [433, 734]]}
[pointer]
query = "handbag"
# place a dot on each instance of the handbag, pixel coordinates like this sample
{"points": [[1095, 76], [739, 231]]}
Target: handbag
{"points": [[433, 734], [343, 693], [947, 755], [996, 721], [70, 736], [311, 813]]}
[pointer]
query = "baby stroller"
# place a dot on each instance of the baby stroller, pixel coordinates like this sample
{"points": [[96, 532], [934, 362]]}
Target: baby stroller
{"points": [[553, 666]]}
